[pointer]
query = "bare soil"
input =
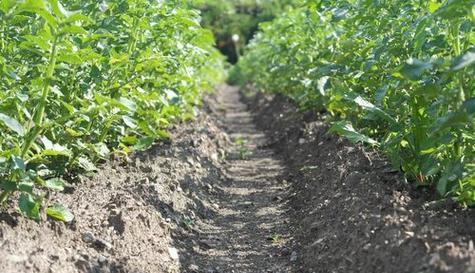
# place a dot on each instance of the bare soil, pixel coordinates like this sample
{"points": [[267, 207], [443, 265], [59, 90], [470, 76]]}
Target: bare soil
{"points": [[251, 185], [352, 211]]}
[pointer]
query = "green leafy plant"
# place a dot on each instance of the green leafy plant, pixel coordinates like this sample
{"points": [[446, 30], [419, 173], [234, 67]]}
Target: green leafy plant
{"points": [[243, 149], [393, 74], [81, 80]]}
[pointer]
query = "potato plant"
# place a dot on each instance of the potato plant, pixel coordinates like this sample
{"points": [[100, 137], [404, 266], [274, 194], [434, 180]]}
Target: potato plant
{"points": [[395, 74], [81, 79]]}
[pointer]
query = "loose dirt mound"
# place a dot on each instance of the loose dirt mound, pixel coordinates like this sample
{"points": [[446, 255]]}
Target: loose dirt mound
{"points": [[126, 213], [352, 211]]}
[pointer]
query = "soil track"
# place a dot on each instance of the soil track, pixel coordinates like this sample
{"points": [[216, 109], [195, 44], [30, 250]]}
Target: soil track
{"points": [[252, 185], [248, 232]]}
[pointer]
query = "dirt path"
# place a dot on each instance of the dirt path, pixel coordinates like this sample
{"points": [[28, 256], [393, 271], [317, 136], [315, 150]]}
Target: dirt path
{"points": [[248, 232], [246, 187]]}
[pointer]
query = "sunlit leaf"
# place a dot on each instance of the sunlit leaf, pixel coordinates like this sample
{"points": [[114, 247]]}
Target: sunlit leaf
{"points": [[60, 212], [12, 123], [346, 130]]}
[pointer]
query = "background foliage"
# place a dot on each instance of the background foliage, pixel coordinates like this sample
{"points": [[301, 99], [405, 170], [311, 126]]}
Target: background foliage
{"points": [[241, 17]]}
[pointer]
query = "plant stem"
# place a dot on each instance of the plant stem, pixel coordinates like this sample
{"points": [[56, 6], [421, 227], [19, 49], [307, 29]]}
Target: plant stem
{"points": [[458, 52], [131, 45], [38, 117], [3, 39]]}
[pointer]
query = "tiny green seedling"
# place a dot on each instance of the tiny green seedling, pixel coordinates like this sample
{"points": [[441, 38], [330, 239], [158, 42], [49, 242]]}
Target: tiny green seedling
{"points": [[243, 149], [274, 238], [188, 223]]}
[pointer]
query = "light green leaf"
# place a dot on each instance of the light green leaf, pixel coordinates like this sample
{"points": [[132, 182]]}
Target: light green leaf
{"points": [[464, 60], [60, 212], [322, 82], [56, 184], [70, 59], [130, 122], [346, 130], [54, 149], [372, 108], [12, 124], [86, 164], [73, 29]]}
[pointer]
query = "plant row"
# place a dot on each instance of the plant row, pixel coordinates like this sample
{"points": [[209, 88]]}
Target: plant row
{"points": [[394, 74], [81, 80]]}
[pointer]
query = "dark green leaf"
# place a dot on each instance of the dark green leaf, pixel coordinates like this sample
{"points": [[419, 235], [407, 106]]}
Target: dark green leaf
{"points": [[413, 69], [29, 206], [8, 185]]}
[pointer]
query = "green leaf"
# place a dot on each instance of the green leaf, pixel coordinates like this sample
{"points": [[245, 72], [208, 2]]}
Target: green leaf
{"points": [[59, 212], [8, 185], [469, 106], [172, 96], [448, 180], [56, 184], [144, 143], [39, 7], [128, 103], [70, 59], [464, 60], [76, 17], [74, 133], [59, 10], [6, 5], [372, 108], [345, 129], [26, 186], [12, 124], [102, 150], [86, 164], [29, 206], [455, 9], [129, 140], [322, 82], [130, 122], [459, 118], [54, 149], [433, 6], [413, 69], [18, 163], [73, 30]]}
